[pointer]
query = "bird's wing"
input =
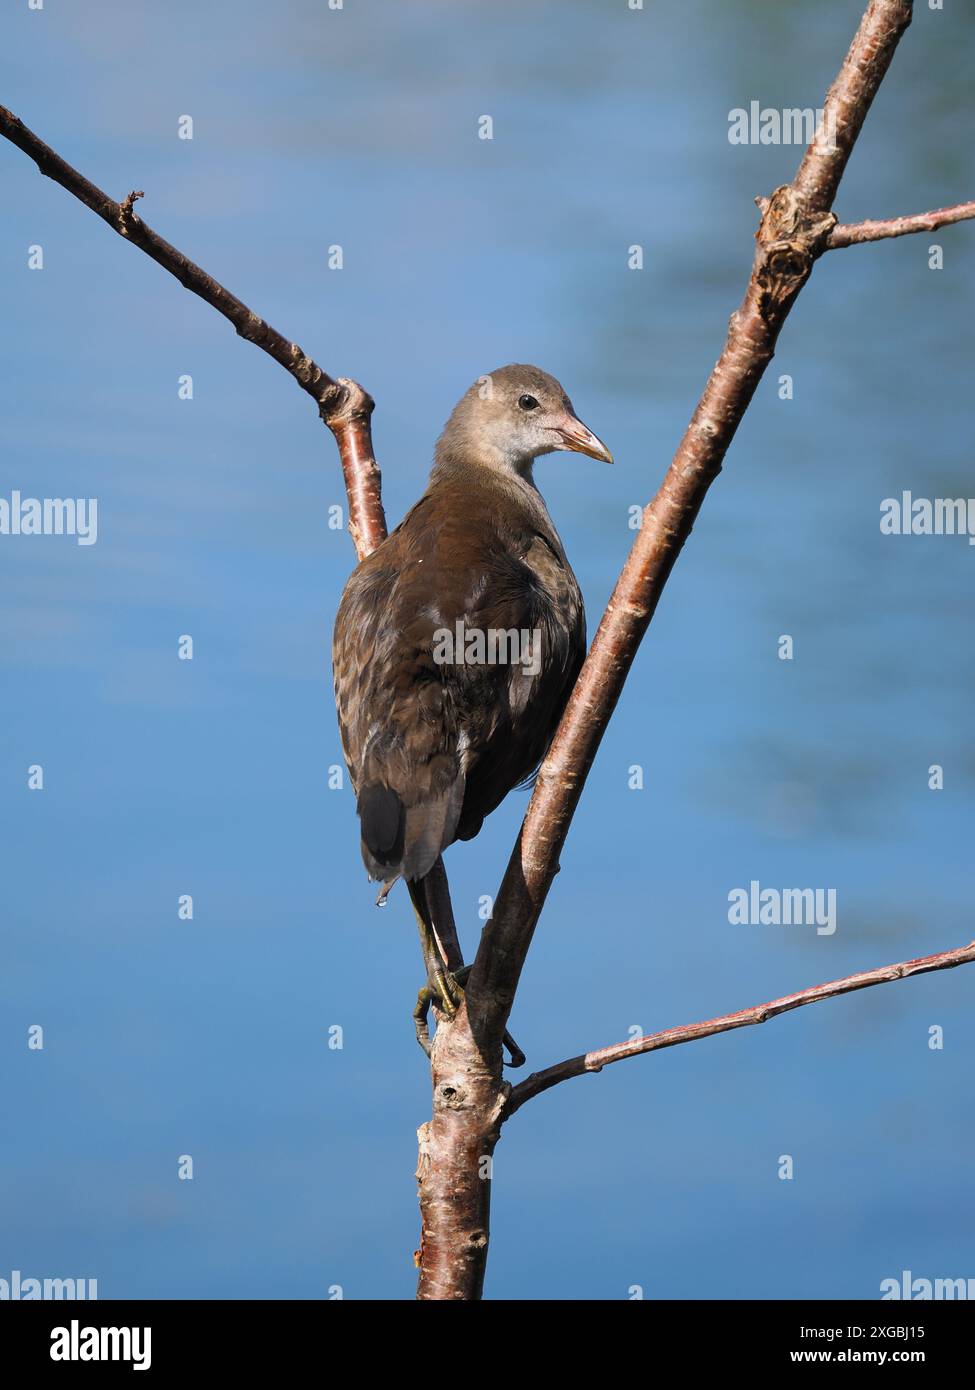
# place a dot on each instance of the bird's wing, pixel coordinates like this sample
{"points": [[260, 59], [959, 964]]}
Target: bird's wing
{"points": [[419, 733], [539, 595], [395, 705]]}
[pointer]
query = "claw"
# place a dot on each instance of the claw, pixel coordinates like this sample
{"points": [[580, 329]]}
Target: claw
{"points": [[460, 978], [444, 997], [444, 988], [518, 1058], [420, 1016], [446, 992]]}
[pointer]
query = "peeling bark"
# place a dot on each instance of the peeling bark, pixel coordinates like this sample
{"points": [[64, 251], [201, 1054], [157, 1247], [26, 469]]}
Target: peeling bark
{"points": [[454, 1169]]}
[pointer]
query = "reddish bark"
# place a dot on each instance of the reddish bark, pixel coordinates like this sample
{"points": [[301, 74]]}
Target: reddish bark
{"points": [[759, 1013], [454, 1170], [855, 233]]}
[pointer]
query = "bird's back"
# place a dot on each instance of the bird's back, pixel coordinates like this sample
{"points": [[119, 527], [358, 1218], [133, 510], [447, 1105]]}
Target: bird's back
{"points": [[436, 732]]}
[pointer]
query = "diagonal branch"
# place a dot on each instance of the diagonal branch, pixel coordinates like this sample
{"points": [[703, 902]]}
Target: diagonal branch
{"points": [[794, 231], [855, 233], [759, 1013], [343, 405]]}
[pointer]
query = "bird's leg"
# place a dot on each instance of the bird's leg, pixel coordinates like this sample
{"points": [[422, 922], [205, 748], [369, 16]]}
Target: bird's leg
{"points": [[441, 949], [436, 990], [446, 972], [440, 916], [453, 982]]}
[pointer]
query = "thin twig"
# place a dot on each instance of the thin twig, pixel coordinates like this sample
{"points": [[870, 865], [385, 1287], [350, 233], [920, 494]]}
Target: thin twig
{"points": [[343, 405], [759, 1013], [855, 233]]}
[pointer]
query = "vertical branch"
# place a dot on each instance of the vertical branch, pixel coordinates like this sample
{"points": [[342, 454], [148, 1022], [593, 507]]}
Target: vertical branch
{"points": [[795, 228], [456, 1149]]}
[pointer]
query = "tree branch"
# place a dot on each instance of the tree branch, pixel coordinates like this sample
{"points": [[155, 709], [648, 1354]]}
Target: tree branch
{"points": [[759, 1013], [343, 405], [855, 233], [794, 231]]}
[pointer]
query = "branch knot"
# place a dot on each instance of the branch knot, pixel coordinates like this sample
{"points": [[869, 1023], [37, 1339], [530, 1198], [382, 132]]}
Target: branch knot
{"points": [[125, 214], [790, 239], [344, 402]]}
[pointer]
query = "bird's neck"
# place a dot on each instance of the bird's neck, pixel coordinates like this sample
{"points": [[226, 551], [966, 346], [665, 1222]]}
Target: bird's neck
{"points": [[484, 460], [513, 476], [510, 489]]}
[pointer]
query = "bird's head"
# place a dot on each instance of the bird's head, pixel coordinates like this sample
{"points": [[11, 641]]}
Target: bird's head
{"points": [[507, 419]]}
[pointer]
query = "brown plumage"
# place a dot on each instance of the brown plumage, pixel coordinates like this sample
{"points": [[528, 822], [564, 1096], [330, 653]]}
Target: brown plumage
{"points": [[434, 741]]}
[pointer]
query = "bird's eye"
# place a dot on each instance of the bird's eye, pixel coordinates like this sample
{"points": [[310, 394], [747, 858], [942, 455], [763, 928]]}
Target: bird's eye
{"points": [[528, 402]]}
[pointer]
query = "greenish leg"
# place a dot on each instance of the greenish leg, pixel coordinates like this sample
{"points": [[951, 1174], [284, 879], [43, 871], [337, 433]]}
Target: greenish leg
{"points": [[444, 987], [454, 985]]}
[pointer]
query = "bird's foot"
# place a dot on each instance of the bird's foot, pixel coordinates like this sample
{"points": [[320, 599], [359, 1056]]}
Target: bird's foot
{"points": [[445, 990]]}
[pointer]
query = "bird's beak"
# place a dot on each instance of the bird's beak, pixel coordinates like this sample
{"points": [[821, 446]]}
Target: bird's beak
{"points": [[581, 440]]}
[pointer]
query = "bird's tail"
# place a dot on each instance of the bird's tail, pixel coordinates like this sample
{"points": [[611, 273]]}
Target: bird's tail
{"points": [[400, 841]]}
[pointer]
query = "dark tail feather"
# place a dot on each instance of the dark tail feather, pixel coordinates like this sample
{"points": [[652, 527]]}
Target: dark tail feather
{"points": [[401, 841], [382, 822]]}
